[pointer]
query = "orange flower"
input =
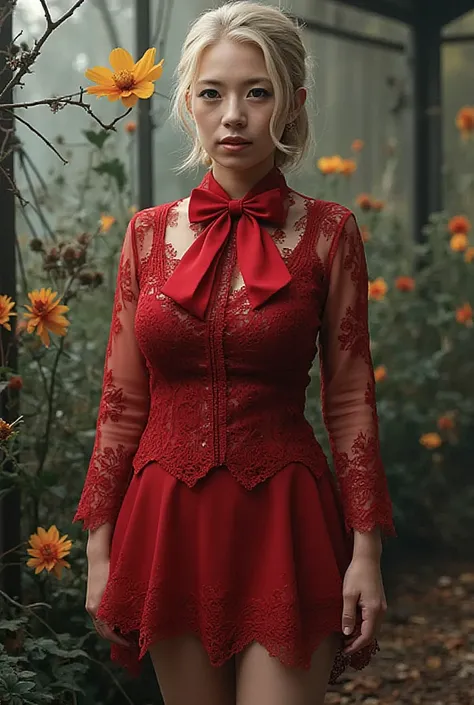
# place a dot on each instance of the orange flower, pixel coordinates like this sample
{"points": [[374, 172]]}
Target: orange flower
{"points": [[459, 242], [378, 205], [431, 440], [8, 430], [48, 551], [465, 120], [380, 373], [469, 255], [106, 222], [377, 289], [357, 145], [405, 283], [330, 165], [364, 231], [459, 225], [364, 201], [6, 305], [15, 382], [348, 167], [128, 81], [446, 422], [45, 314], [464, 314], [131, 127]]}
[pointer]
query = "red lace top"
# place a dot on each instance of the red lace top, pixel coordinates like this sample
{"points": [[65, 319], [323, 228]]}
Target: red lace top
{"points": [[230, 389]]}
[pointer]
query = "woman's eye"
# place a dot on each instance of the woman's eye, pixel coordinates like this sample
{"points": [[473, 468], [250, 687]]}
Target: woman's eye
{"points": [[259, 93], [209, 93]]}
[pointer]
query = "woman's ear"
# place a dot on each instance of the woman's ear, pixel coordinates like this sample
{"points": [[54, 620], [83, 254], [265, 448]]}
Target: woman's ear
{"points": [[300, 99], [188, 102]]}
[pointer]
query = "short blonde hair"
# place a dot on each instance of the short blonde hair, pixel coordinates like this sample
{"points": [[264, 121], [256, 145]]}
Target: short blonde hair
{"points": [[280, 40]]}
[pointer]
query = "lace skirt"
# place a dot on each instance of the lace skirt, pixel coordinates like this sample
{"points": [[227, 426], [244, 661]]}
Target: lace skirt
{"points": [[229, 565]]}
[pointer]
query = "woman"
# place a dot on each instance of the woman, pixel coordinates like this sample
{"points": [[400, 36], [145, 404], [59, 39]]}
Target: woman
{"points": [[218, 542]]}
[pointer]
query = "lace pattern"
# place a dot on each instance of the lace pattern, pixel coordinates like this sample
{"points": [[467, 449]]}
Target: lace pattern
{"points": [[230, 390]]}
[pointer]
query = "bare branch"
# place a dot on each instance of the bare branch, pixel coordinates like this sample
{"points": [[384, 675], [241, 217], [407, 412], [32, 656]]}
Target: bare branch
{"points": [[33, 55], [38, 134], [47, 14]]}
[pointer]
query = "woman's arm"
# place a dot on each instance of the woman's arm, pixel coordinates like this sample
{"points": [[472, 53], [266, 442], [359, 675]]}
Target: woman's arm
{"points": [[123, 410], [348, 389], [350, 414]]}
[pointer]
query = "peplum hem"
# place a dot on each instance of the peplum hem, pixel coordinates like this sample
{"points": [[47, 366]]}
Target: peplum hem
{"points": [[229, 565]]}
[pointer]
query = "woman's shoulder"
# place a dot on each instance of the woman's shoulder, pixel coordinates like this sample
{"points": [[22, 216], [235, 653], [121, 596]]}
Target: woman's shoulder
{"points": [[319, 206]]}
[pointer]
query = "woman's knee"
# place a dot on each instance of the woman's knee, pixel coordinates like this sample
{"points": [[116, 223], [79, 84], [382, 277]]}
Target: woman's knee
{"points": [[263, 680], [186, 676]]}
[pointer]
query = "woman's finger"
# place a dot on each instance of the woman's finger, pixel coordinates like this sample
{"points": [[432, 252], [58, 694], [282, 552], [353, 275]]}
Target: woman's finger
{"points": [[367, 631]]}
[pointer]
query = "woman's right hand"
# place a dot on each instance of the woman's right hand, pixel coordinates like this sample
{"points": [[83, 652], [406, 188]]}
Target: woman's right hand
{"points": [[98, 574]]}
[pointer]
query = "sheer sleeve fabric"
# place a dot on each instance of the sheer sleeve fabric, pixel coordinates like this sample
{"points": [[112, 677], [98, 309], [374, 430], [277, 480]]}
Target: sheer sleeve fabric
{"points": [[124, 404], [348, 386]]}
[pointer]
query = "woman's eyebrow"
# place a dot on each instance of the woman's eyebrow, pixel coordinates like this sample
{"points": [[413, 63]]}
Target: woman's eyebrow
{"points": [[247, 82]]}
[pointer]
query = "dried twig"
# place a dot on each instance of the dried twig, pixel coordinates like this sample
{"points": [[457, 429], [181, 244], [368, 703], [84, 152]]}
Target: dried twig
{"points": [[33, 55]]}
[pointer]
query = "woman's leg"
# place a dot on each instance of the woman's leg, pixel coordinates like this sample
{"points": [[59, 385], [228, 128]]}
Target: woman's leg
{"points": [[186, 676], [263, 680]]}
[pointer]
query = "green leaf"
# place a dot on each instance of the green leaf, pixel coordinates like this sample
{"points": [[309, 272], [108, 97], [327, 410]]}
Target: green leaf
{"points": [[114, 168], [97, 138], [25, 687]]}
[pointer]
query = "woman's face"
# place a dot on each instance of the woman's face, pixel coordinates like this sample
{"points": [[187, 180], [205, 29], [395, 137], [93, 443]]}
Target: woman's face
{"points": [[232, 102]]}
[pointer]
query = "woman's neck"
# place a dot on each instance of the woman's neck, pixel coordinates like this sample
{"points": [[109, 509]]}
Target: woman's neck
{"points": [[237, 183]]}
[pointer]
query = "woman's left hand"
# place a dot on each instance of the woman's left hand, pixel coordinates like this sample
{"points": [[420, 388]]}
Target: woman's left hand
{"points": [[364, 597]]}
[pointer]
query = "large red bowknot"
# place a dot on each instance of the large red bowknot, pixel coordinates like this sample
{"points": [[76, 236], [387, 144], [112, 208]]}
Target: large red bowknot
{"points": [[263, 270]]}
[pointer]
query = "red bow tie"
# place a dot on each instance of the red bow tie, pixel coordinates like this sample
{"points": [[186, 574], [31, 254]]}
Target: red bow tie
{"points": [[259, 259]]}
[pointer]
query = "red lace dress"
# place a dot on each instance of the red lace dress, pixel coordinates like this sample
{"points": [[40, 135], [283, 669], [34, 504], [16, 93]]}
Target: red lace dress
{"points": [[227, 521]]}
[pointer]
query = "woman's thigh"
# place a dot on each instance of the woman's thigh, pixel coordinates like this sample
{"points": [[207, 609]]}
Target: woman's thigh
{"points": [[186, 676], [264, 680]]}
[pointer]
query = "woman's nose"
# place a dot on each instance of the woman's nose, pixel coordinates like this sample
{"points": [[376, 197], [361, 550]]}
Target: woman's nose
{"points": [[234, 114]]}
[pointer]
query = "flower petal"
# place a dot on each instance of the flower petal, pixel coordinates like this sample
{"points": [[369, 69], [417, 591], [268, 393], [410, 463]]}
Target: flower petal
{"points": [[101, 91], [129, 101], [100, 74], [145, 65], [144, 90], [155, 73], [121, 60], [114, 96]]}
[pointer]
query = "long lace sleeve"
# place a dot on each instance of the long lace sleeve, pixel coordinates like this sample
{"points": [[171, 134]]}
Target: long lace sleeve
{"points": [[124, 402], [348, 387]]}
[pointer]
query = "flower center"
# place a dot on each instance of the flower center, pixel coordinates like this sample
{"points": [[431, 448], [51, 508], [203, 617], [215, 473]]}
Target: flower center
{"points": [[41, 306], [124, 80], [48, 551]]}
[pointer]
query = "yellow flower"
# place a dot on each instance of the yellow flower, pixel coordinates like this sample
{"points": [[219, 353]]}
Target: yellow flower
{"points": [[45, 314], [380, 373], [6, 305], [459, 242], [330, 165], [377, 289], [431, 440], [128, 81], [106, 222], [469, 255], [132, 210], [48, 551]]}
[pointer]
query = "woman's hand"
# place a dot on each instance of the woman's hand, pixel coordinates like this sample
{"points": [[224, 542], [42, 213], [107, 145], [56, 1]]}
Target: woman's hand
{"points": [[364, 597], [98, 573]]}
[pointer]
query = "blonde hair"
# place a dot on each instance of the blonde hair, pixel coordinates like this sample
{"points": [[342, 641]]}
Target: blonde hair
{"points": [[280, 40]]}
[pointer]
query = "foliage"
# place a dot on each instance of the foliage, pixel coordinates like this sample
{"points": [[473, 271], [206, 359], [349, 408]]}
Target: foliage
{"points": [[423, 350]]}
